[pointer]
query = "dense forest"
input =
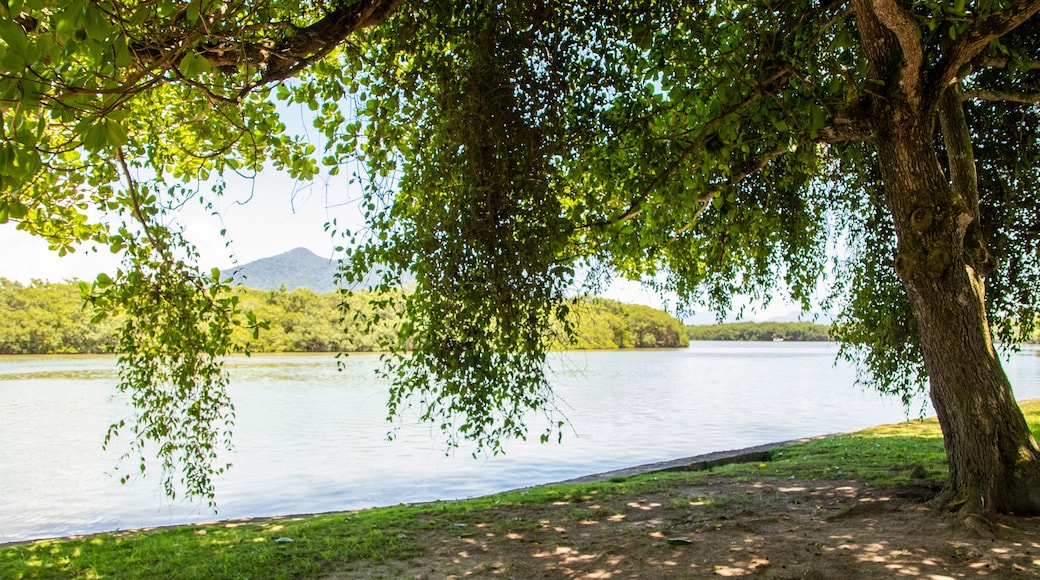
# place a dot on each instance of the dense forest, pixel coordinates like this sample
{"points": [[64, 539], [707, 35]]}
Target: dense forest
{"points": [[44, 318], [50, 318], [607, 324], [766, 331], [798, 331]]}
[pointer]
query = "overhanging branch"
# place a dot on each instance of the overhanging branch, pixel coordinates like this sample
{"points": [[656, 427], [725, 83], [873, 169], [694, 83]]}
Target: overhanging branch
{"points": [[277, 59], [321, 37], [1007, 96], [973, 41], [705, 200], [852, 124], [703, 133], [994, 62]]}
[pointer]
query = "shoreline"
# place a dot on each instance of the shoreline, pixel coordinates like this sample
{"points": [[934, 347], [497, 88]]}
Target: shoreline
{"points": [[692, 463]]}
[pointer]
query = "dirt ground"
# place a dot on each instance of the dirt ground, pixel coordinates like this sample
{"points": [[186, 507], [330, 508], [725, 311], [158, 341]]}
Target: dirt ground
{"points": [[768, 528]]}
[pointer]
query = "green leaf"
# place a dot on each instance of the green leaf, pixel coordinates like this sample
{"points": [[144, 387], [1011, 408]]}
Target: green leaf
{"points": [[115, 134], [122, 53], [95, 138], [97, 26], [104, 134], [817, 118], [17, 210], [13, 34], [193, 65]]}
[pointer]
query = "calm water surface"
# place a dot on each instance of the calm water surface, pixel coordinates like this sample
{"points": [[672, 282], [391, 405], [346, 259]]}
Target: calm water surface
{"points": [[311, 439]]}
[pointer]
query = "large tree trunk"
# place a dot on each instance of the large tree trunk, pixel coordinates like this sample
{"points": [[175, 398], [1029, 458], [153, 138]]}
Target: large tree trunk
{"points": [[993, 459]]}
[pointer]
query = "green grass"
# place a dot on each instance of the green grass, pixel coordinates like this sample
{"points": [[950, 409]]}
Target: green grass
{"points": [[247, 550], [883, 455]]}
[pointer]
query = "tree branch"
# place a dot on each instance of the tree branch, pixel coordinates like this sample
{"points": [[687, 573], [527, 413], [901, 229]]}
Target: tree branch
{"points": [[852, 124], [900, 24], [135, 206], [957, 140], [994, 62], [705, 200], [323, 36], [872, 36], [276, 59], [703, 133], [1008, 96], [976, 38]]}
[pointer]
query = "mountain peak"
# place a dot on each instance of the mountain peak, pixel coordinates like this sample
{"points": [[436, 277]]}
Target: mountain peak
{"points": [[300, 252], [296, 268]]}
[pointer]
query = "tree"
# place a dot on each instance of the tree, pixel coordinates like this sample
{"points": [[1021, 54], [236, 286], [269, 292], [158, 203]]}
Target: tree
{"points": [[46, 318], [717, 148]]}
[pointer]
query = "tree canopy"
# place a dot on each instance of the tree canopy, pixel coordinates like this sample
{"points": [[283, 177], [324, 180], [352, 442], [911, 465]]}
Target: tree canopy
{"points": [[511, 152]]}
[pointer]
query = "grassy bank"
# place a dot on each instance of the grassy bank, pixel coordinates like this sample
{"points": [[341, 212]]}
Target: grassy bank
{"points": [[335, 545]]}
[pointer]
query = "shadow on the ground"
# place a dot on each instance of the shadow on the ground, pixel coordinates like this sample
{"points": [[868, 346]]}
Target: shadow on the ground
{"points": [[766, 528]]}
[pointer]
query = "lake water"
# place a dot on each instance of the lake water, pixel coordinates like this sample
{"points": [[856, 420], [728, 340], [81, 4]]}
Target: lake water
{"points": [[311, 439]]}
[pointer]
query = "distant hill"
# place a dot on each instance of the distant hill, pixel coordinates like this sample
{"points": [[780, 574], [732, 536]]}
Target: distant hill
{"points": [[299, 268]]}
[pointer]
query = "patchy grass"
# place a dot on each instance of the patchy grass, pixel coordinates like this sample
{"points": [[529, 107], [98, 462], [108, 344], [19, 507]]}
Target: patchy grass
{"points": [[337, 544], [883, 455]]}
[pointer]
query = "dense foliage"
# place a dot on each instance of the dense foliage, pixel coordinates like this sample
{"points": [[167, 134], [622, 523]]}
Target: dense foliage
{"points": [[797, 331], [302, 320], [508, 152], [51, 318], [607, 324]]}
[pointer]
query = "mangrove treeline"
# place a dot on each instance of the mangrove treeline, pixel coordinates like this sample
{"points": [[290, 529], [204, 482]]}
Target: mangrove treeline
{"points": [[51, 318], [752, 331]]}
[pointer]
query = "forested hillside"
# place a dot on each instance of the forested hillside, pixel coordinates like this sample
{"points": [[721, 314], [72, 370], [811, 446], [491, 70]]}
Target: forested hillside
{"points": [[605, 324], [49, 318], [45, 318], [751, 331]]}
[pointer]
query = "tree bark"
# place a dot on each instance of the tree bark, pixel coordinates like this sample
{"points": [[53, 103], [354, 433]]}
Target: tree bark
{"points": [[993, 459]]}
